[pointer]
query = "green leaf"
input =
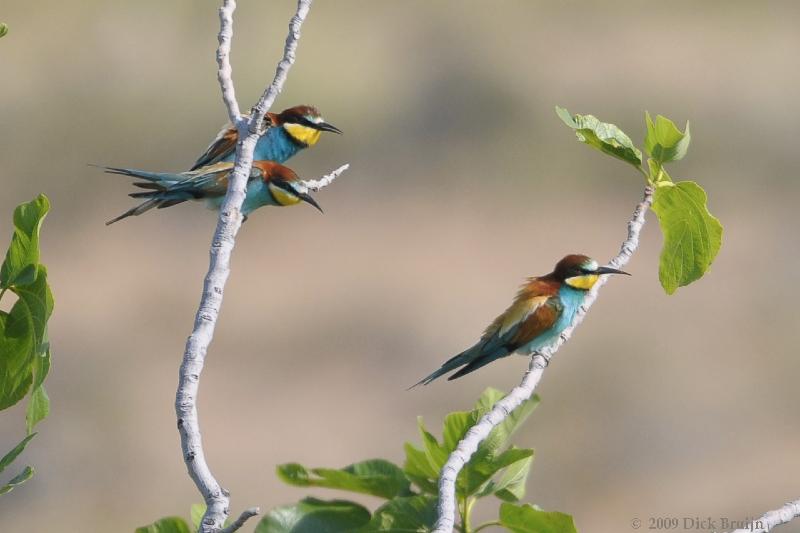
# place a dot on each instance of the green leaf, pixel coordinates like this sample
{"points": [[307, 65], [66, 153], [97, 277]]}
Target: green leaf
{"points": [[315, 516], [39, 403], [664, 141], [482, 467], [16, 347], [196, 512], [501, 434], [23, 339], [414, 514], [419, 469], [490, 459], [18, 480], [3, 29], [171, 524], [10, 456], [692, 235], [376, 477], [437, 455], [37, 306], [38, 408], [24, 248], [603, 136], [456, 426], [510, 485], [529, 519], [423, 466]]}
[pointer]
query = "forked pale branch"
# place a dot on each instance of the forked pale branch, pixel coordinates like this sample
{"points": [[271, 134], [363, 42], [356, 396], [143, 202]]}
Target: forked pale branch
{"points": [[523, 391], [230, 220]]}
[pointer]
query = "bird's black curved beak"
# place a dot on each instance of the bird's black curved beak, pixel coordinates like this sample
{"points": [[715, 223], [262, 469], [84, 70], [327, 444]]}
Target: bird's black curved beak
{"points": [[324, 126], [309, 200], [609, 270]]}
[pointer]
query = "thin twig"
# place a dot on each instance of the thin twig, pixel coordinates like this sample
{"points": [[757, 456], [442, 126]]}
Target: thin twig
{"points": [[314, 185], [246, 515], [230, 220], [289, 50], [225, 71], [523, 391], [784, 515]]}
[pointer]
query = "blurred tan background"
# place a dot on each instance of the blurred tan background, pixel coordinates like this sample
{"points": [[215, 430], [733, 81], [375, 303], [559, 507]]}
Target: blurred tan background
{"points": [[463, 182]]}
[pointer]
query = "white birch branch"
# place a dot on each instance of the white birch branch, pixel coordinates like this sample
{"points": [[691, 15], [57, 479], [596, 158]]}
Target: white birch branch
{"points": [[523, 391], [246, 515], [784, 515], [305, 186], [230, 220]]}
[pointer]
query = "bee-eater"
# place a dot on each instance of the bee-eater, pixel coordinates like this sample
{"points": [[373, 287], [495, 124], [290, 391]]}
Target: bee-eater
{"points": [[543, 308], [269, 183], [287, 133]]}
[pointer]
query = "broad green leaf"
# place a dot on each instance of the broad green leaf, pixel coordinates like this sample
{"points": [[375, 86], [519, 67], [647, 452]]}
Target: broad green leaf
{"points": [[603, 136], [481, 468], [437, 455], [500, 435], [419, 469], [692, 235], [415, 514], [18, 480], [510, 487], [196, 512], [23, 339], [315, 516], [456, 426], [664, 141], [171, 524], [24, 248], [16, 346], [3, 29], [529, 519], [10, 456], [423, 466], [37, 302], [376, 477], [38, 408]]}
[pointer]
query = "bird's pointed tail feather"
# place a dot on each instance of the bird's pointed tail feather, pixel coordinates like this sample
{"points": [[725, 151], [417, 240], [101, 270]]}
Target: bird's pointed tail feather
{"points": [[164, 178], [135, 211], [451, 364]]}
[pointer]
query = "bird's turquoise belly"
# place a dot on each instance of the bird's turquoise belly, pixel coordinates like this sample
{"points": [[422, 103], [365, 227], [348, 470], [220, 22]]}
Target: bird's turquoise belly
{"points": [[571, 299], [257, 196], [274, 145]]}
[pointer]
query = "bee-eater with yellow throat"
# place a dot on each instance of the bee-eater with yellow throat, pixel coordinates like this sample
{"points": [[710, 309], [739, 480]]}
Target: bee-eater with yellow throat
{"points": [[269, 183], [288, 132], [544, 307]]}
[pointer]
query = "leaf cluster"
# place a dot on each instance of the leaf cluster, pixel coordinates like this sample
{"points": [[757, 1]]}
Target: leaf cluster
{"points": [[692, 235], [409, 493], [24, 346]]}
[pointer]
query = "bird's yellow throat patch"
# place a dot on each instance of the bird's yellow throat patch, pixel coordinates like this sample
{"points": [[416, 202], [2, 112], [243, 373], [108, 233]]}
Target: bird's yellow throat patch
{"points": [[582, 282], [303, 134], [283, 197]]}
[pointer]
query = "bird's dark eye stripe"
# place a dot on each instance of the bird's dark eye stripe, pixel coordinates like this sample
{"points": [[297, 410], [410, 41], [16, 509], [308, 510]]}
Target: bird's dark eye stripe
{"points": [[303, 121]]}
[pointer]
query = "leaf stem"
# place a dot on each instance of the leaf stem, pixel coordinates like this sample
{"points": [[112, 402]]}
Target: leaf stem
{"points": [[2, 292], [487, 524], [467, 517], [645, 174]]}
